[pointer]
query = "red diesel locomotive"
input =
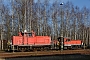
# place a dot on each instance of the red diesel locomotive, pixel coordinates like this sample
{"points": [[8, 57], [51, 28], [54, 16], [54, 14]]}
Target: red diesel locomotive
{"points": [[28, 41], [70, 44]]}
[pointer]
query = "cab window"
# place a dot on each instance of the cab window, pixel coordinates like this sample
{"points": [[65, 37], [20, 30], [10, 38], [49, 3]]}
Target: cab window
{"points": [[67, 40], [30, 34]]}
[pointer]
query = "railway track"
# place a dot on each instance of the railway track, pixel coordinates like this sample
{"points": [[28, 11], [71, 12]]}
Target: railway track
{"points": [[42, 53]]}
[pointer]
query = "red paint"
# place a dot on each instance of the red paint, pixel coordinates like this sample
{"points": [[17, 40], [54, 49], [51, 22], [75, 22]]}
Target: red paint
{"points": [[25, 39]]}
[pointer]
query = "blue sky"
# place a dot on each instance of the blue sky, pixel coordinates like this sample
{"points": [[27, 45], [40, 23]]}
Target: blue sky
{"points": [[79, 3]]}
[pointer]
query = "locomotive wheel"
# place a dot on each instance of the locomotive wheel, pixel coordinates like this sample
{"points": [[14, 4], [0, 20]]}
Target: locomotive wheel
{"points": [[34, 49], [22, 49], [42, 49], [65, 48], [46, 48]]}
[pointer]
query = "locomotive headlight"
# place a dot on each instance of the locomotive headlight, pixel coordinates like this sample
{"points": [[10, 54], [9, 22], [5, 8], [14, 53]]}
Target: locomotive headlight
{"points": [[82, 43], [58, 43], [11, 43], [25, 30]]}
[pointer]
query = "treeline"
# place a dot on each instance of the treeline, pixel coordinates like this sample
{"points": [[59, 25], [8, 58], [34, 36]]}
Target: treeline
{"points": [[45, 18]]}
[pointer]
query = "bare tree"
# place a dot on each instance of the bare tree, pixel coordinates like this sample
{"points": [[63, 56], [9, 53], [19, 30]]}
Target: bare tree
{"points": [[45, 19]]}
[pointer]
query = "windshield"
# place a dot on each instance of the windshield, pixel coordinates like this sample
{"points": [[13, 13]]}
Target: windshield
{"points": [[26, 34]]}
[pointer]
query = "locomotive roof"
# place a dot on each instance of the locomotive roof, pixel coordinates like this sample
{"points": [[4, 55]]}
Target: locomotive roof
{"points": [[63, 37], [25, 32]]}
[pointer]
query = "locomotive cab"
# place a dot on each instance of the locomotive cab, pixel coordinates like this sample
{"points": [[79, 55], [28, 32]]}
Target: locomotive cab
{"points": [[27, 34]]}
